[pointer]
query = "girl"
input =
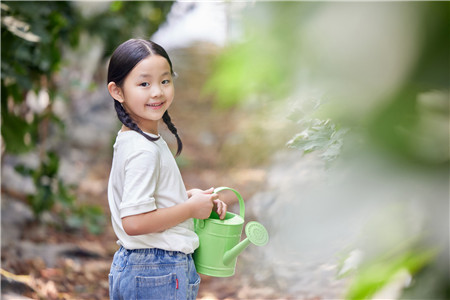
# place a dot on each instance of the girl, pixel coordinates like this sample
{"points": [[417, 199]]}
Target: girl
{"points": [[151, 211]]}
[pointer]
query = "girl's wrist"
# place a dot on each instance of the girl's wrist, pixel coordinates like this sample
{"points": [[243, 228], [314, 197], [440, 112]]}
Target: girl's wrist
{"points": [[189, 208]]}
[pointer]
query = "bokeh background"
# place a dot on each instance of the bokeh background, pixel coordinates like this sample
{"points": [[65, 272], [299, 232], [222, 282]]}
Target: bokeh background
{"points": [[330, 118]]}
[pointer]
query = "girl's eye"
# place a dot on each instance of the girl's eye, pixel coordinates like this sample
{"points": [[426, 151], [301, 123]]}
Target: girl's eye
{"points": [[145, 84], [165, 81]]}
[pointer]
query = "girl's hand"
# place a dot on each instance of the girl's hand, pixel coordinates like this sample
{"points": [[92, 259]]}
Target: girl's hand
{"points": [[201, 202], [191, 192], [220, 207]]}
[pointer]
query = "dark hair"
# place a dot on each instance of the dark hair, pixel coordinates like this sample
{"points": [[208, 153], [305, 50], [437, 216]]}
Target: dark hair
{"points": [[123, 60]]}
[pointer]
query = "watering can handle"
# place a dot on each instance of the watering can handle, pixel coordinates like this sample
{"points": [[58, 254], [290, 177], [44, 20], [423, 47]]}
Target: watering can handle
{"points": [[241, 201]]}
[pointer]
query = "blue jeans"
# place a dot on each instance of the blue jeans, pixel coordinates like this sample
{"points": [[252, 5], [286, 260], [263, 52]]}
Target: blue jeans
{"points": [[153, 274]]}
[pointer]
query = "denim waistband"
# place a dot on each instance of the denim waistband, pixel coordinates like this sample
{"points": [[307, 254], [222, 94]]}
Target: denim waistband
{"points": [[154, 251]]}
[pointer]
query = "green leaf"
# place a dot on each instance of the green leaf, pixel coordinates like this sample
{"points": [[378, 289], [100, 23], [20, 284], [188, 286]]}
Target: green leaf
{"points": [[320, 135], [116, 6], [43, 199], [23, 170], [51, 165], [14, 129], [64, 196]]}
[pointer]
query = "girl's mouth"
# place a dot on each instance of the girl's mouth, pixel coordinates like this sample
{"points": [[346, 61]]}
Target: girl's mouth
{"points": [[155, 105]]}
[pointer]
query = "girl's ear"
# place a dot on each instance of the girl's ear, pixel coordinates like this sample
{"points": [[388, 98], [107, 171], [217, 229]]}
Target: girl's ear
{"points": [[115, 92]]}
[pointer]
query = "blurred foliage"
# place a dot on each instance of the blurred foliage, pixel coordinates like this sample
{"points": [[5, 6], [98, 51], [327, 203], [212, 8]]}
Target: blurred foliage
{"points": [[259, 64], [376, 274], [48, 186], [126, 19], [85, 216], [34, 36], [426, 285], [404, 116], [319, 135], [275, 54], [240, 77], [408, 125], [51, 190]]}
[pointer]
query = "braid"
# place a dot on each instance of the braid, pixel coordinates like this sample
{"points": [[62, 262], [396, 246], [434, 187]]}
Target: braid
{"points": [[168, 121], [126, 120]]}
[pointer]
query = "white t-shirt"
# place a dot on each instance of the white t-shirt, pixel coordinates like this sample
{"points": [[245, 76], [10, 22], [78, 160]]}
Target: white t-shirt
{"points": [[144, 176]]}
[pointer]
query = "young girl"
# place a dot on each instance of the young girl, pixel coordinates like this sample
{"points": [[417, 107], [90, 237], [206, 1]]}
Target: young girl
{"points": [[151, 211]]}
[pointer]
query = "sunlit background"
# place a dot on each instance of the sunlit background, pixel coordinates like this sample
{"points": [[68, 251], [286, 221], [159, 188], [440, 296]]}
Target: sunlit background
{"points": [[330, 118]]}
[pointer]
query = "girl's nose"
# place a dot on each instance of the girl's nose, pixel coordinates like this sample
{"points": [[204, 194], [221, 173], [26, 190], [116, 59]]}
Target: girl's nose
{"points": [[156, 91]]}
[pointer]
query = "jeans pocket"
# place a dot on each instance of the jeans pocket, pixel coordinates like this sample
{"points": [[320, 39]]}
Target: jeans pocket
{"points": [[193, 289], [156, 287]]}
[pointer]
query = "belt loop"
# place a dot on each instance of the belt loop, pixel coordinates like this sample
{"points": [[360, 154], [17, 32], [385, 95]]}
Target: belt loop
{"points": [[125, 258]]}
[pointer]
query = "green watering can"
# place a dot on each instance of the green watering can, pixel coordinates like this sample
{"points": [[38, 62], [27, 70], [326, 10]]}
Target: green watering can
{"points": [[219, 240]]}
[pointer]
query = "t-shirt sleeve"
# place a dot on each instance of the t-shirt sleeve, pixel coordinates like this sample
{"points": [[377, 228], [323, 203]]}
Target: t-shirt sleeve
{"points": [[141, 177]]}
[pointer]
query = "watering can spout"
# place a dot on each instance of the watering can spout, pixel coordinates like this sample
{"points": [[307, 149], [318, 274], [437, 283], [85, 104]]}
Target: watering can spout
{"points": [[256, 234], [231, 254]]}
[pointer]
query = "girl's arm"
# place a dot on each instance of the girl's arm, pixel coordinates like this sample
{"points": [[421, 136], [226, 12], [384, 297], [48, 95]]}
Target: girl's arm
{"points": [[199, 206]]}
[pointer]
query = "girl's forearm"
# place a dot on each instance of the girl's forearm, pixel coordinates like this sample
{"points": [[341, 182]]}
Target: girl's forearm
{"points": [[157, 220]]}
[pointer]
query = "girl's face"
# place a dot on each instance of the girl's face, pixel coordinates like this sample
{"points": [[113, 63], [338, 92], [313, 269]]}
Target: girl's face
{"points": [[147, 92]]}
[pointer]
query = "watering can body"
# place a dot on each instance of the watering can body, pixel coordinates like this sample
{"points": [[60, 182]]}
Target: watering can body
{"points": [[220, 241]]}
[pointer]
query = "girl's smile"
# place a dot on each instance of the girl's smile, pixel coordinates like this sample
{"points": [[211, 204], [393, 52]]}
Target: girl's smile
{"points": [[155, 106]]}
